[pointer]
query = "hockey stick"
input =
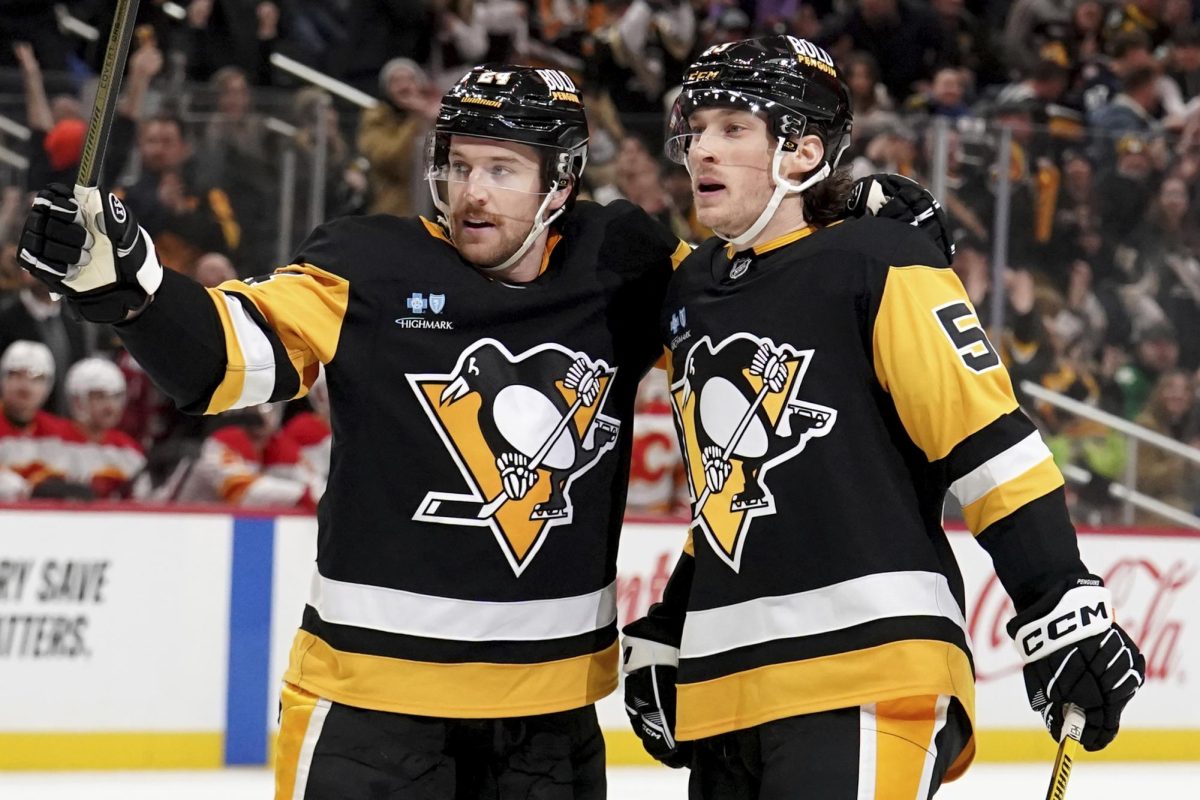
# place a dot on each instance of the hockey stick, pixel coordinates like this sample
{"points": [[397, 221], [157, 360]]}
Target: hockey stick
{"points": [[734, 441], [87, 183], [486, 510], [1073, 720]]}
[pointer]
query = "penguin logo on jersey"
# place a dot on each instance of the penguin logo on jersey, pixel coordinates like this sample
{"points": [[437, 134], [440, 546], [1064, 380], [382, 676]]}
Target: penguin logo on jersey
{"points": [[521, 429], [737, 403]]}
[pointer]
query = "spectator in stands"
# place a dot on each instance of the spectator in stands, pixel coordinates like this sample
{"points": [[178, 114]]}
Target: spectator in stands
{"points": [[890, 148], [222, 33], [346, 181], [873, 108], [1181, 83], [213, 269], [1168, 254], [1024, 18], [250, 462], [1171, 411], [1143, 16], [234, 156], [905, 36], [311, 432], [1124, 191], [1087, 31], [1046, 82], [1134, 110], [33, 314], [639, 180], [1100, 77], [57, 129], [391, 134], [105, 459], [379, 30], [1076, 212], [638, 55], [32, 441], [185, 217], [1156, 352], [462, 40], [970, 45], [946, 96]]}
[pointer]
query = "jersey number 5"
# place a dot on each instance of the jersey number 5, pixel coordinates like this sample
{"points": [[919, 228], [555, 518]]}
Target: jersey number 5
{"points": [[969, 340]]}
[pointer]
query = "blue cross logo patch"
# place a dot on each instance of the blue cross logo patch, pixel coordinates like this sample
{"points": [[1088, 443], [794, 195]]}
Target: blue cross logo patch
{"points": [[416, 303], [678, 321]]}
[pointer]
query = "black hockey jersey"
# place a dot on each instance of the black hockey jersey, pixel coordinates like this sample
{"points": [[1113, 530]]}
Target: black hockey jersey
{"points": [[481, 442], [829, 388]]}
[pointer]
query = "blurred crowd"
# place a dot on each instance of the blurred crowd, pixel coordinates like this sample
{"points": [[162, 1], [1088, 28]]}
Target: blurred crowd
{"points": [[1074, 123]]}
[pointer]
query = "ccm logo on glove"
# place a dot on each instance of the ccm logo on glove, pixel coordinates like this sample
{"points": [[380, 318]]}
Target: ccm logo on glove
{"points": [[1082, 612]]}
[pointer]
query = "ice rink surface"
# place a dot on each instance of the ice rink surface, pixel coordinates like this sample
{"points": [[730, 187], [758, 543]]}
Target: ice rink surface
{"points": [[1099, 781]]}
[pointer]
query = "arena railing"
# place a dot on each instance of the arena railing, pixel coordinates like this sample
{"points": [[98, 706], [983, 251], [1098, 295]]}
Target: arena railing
{"points": [[1134, 433]]}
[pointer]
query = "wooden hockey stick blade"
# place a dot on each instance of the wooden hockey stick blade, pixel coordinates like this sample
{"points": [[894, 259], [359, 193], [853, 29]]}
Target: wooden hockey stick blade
{"points": [[1073, 721], [107, 90]]}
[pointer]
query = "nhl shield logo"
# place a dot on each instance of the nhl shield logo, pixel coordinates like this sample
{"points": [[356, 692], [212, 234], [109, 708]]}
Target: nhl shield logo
{"points": [[521, 429], [437, 302], [738, 406], [739, 268]]}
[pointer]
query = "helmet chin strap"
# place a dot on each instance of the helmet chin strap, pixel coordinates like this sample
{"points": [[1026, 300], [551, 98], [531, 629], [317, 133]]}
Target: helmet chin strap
{"points": [[535, 231], [539, 225], [783, 187]]}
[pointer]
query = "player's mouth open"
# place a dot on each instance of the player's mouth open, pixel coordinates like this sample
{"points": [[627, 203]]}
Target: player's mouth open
{"points": [[707, 188], [477, 224]]}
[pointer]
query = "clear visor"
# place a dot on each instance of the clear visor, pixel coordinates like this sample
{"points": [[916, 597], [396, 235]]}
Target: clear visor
{"points": [[455, 163], [681, 135]]}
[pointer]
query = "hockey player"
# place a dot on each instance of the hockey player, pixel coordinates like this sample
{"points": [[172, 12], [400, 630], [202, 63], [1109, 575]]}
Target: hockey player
{"points": [[104, 458], [481, 374], [33, 442], [250, 462], [831, 382]]}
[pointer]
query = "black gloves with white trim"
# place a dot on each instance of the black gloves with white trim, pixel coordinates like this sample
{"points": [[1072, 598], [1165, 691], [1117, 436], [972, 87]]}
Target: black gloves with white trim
{"points": [[1075, 653], [96, 256], [896, 197], [650, 669]]}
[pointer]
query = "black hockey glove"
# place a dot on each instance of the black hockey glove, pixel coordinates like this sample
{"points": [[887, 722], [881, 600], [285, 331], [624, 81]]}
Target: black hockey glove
{"points": [[897, 197], [1075, 653], [99, 258], [650, 670]]}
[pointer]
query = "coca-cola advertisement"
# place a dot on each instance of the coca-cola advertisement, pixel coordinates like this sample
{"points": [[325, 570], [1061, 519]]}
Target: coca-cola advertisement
{"points": [[1154, 577]]}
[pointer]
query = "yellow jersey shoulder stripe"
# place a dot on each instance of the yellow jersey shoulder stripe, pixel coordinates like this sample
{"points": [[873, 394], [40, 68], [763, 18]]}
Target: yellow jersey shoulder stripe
{"points": [[932, 372]]}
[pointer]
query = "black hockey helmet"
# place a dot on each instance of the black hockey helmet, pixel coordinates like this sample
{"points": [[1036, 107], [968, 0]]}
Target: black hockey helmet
{"points": [[540, 107], [790, 80]]}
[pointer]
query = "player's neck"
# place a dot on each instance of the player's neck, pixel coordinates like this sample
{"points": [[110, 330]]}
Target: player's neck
{"points": [[788, 217]]}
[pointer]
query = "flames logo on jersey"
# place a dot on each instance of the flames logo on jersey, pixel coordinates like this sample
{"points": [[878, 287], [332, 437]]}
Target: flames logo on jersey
{"points": [[737, 404], [521, 430]]}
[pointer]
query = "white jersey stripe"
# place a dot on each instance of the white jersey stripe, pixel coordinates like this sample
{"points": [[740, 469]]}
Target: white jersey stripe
{"points": [[931, 752], [412, 614], [867, 754], [316, 722], [830, 608], [1000, 469], [259, 379]]}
